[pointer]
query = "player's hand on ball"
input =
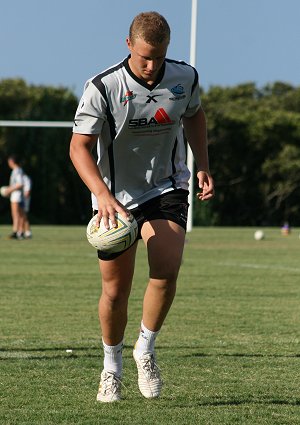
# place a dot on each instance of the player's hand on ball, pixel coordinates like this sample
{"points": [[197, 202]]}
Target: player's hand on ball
{"points": [[114, 239], [108, 206]]}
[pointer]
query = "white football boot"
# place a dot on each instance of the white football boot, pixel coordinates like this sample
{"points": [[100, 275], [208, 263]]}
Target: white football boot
{"points": [[149, 379], [109, 388]]}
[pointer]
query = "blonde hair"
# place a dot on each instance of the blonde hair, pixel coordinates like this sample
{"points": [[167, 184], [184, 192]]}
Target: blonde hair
{"points": [[150, 27]]}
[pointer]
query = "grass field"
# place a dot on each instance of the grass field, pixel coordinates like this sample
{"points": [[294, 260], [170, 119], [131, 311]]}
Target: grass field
{"points": [[229, 350]]}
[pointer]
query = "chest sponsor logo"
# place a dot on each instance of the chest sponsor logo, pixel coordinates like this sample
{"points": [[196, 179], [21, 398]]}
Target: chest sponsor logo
{"points": [[160, 118], [152, 98], [128, 96], [178, 92]]}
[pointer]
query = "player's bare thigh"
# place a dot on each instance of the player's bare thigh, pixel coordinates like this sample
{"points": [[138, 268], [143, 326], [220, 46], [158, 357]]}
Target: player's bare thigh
{"points": [[16, 211], [117, 274], [165, 242]]}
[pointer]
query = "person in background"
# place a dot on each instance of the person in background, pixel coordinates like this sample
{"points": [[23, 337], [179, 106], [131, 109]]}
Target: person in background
{"points": [[27, 185], [134, 112], [15, 192]]}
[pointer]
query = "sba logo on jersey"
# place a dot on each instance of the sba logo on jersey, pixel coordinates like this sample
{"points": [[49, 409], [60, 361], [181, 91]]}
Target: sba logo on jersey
{"points": [[160, 117]]}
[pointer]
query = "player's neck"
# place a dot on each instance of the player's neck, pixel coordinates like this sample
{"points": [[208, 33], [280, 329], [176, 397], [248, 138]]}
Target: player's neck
{"points": [[147, 79]]}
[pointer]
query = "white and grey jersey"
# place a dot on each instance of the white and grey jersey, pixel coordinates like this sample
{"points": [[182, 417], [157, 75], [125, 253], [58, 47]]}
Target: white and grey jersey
{"points": [[141, 149]]}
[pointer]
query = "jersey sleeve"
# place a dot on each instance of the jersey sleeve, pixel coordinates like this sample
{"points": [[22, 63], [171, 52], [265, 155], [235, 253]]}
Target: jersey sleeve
{"points": [[90, 114], [195, 101]]}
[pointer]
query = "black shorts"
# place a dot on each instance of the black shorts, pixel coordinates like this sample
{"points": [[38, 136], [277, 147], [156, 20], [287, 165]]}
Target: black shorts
{"points": [[171, 206]]}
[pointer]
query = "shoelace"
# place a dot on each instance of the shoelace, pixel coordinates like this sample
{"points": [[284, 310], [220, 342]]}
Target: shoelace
{"points": [[149, 366], [111, 383]]}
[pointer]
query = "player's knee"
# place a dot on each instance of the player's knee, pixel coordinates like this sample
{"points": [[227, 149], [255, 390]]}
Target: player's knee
{"points": [[167, 271], [164, 279], [115, 295]]}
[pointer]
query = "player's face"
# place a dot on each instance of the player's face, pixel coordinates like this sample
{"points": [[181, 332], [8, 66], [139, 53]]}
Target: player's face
{"points": [[146, 60], [10, 163]]}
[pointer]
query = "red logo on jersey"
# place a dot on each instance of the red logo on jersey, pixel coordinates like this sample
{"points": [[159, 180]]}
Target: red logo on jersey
{"points": [[128, 96], [160, 118]]}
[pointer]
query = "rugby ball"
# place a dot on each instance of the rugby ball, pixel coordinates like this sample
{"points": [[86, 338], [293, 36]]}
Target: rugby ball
{"points": [[114, 239], [259, 235], [3, 190]]}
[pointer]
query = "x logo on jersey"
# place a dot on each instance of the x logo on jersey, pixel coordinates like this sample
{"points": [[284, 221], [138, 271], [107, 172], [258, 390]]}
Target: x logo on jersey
{"points": [[152, 98]]}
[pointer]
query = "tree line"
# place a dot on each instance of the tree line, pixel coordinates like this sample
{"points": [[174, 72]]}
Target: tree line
{"points": [[254, 147]]}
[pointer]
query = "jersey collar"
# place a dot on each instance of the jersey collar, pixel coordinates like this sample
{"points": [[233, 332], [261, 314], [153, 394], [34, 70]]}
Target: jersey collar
{"points": [[140, 80]]}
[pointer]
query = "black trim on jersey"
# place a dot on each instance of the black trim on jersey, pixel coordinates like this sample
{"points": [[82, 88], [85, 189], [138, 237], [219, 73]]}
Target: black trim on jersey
{"points": [[177, 61], [140, 80], [97, 81], [112, 169], [112, 127], [196, 79], [173, 164]]}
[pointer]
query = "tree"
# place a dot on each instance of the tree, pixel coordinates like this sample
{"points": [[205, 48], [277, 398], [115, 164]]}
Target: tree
{"points": [[251, 131], [254, 146], [57, 190]]}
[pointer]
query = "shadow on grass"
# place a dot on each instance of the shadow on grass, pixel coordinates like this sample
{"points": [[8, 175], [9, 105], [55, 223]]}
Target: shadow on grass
{"points": [[252, 402], [48, 353], [250, 355]]}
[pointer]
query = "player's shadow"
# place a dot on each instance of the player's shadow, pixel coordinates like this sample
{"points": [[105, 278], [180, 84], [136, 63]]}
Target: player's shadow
{"points": [[235, 402], [250, 355]]}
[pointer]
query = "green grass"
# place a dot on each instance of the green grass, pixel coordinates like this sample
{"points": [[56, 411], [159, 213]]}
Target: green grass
{"points": [[229, 350]]}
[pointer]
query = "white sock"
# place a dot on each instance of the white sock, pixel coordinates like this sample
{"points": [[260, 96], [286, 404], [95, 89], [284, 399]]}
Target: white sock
{"points": [[146, 340], [113, 360]]}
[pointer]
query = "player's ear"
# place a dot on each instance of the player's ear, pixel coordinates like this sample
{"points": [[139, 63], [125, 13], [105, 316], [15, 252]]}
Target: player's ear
{"points": [[128, 43]]}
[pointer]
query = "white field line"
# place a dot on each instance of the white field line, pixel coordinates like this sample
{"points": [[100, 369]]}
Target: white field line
{"points": [[14, 355], [19, 354], [260, 266]]}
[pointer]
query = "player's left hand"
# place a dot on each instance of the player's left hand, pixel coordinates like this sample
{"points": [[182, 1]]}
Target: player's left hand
{"points": [[206, 184]]}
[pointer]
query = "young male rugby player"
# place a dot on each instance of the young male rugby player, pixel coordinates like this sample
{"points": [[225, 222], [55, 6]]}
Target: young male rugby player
{"points": [[134, 112]]}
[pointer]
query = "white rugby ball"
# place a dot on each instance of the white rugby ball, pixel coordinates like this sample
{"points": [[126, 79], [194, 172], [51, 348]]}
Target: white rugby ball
{"points": [[3, 190], [259, 235], [114, 239]]}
